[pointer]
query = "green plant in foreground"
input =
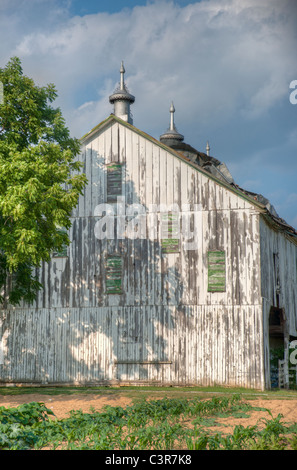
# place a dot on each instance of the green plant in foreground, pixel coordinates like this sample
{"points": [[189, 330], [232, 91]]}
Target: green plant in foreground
{"points": [[18, 425], [154, 424]]}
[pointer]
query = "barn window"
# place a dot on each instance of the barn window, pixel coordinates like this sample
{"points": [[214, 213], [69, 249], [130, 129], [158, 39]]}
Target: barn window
{"points": [[61, 252], [170, 233], [113, 274], [114, 181], [216, 271]]}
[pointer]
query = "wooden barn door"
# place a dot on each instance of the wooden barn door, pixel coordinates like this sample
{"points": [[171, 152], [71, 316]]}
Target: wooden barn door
{"points": [[278, 347]]}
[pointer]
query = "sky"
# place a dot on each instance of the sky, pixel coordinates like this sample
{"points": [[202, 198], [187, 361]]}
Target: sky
{"points": [[226, 64]]}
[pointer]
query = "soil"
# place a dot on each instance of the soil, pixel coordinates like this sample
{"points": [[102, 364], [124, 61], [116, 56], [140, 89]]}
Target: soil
{"points": [[61, 405]]}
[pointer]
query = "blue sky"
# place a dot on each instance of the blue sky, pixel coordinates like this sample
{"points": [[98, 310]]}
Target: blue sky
{"points": [[226, 64], [80, 7]]}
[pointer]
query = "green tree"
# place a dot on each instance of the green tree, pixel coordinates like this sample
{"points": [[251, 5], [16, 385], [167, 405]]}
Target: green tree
{"points": [[40, 181]]}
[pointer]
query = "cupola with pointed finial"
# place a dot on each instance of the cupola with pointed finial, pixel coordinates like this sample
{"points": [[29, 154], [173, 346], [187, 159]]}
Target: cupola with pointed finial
{"points": [[171, 136], [122, 99]]}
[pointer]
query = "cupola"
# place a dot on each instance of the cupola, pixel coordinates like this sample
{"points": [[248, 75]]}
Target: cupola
{"points": [[122, 99], [171, 136]]}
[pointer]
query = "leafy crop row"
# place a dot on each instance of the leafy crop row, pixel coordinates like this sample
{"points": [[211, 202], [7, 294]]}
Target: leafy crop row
{"points": [[157, 424]]}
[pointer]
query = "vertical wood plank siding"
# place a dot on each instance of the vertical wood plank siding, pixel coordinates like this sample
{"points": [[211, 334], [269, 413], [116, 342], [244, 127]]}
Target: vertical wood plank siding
{"points": [[275, 243], [189, 345], [166, 327]]}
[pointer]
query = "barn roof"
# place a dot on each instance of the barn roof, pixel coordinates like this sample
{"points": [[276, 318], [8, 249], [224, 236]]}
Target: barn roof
{"points": [[210, 167]]}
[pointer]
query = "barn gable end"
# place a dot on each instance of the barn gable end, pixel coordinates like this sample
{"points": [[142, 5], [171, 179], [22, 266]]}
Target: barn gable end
{"points": [[173, 320], [162, 282]]}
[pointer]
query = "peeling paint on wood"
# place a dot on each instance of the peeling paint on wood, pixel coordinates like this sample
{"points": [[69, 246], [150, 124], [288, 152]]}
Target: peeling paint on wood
{"points": [[150, 316]]}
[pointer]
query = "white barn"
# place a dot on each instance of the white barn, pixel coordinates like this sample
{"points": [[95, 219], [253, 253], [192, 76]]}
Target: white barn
{"points": [[174, 274]]}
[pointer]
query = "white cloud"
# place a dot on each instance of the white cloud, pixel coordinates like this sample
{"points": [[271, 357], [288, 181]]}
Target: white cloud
{"points": [[226, 64], [229, 56], [215, 59]]}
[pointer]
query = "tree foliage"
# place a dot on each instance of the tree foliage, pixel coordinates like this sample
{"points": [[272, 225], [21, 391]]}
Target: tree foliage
{"points": [[40, 180]]}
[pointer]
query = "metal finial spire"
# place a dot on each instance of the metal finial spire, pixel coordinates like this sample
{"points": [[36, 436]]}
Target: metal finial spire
{"points": [[172, 111], [171, 135], [122, 71], [122, 99]]}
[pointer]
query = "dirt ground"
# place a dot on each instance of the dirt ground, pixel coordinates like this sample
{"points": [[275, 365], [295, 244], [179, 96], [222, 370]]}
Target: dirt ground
{"points": [[61, 405]]}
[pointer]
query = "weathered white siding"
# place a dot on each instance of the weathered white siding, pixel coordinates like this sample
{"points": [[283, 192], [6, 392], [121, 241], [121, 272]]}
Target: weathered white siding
{"points": [[154, 176], [274, 242], [166, 345], [165, 327], [278, 277]]}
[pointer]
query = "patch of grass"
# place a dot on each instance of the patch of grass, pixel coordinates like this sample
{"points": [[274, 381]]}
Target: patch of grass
{"points": [[206, 422], [16, 390], [238, 414], [135, 392]]}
